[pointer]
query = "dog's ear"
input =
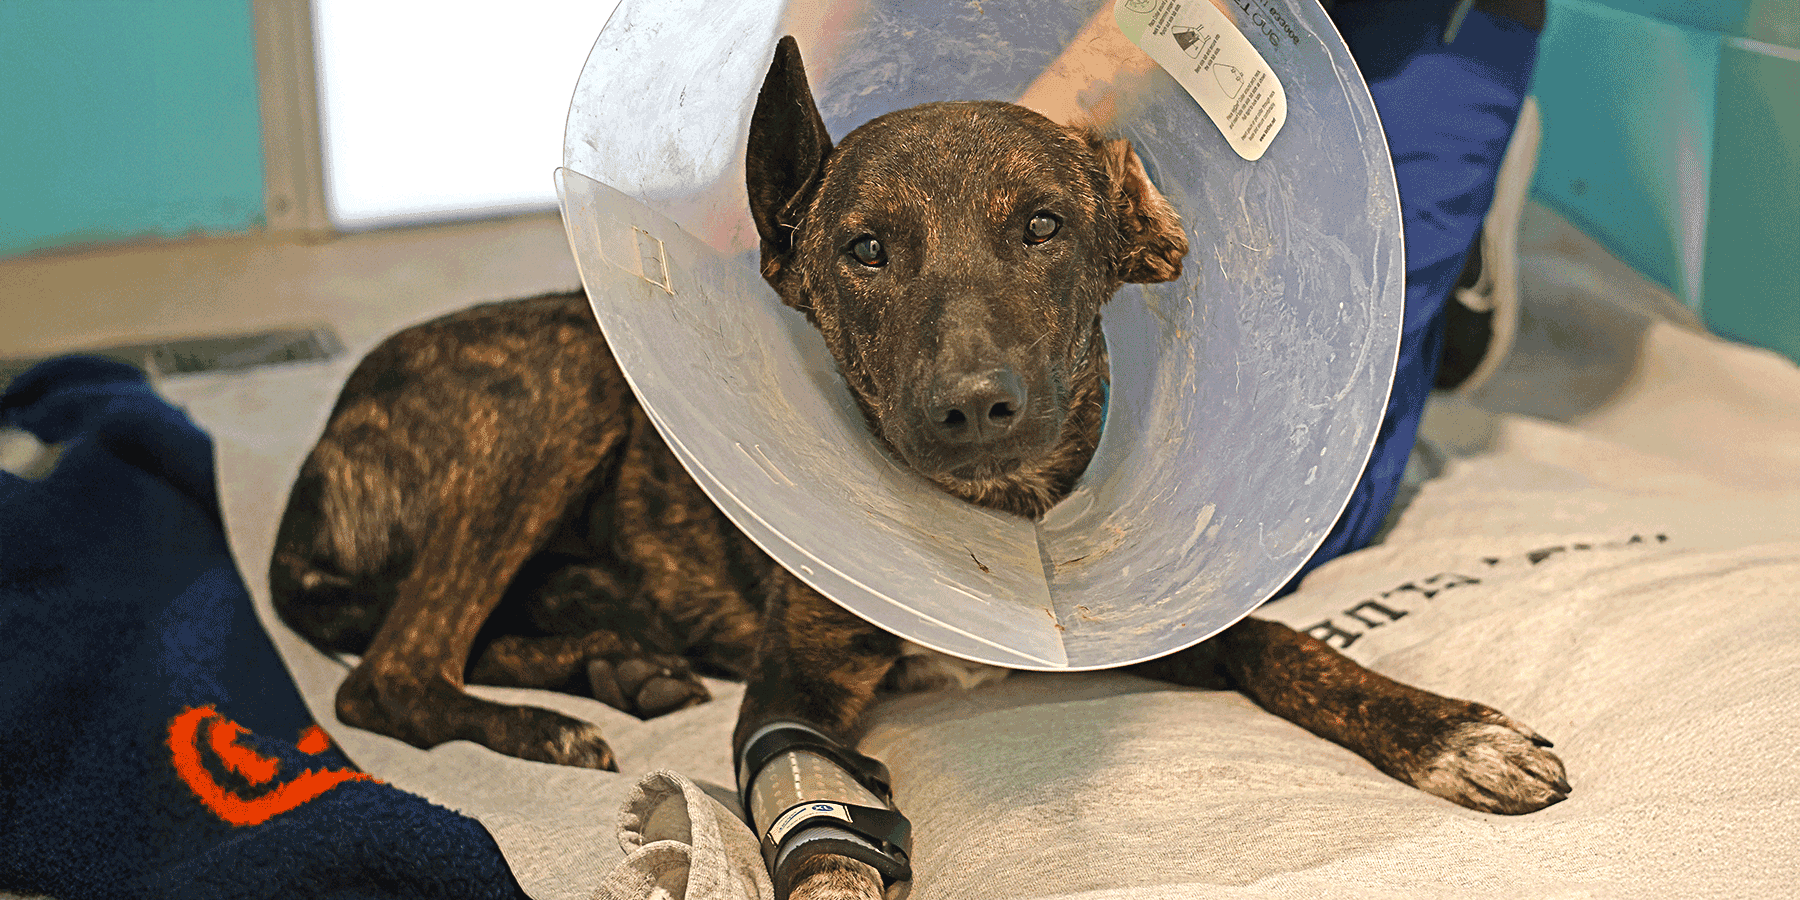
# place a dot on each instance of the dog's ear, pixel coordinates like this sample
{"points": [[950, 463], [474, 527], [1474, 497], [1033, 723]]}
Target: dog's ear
{"points": [[1152, 241], [786, 154]]}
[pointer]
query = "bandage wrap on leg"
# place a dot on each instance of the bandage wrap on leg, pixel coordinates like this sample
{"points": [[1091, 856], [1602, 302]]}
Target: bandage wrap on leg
{"points": [[806, 795]]}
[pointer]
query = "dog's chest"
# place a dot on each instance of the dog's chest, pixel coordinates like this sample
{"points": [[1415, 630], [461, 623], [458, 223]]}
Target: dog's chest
{"points": [[924, 669]]}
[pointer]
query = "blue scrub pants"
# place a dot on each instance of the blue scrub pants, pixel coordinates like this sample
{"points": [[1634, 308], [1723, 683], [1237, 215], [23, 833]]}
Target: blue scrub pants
{"points": [[1449, 111]]}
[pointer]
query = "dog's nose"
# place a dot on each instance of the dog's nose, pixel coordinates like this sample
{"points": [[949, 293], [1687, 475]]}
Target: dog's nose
{"points": [[977, 408]]}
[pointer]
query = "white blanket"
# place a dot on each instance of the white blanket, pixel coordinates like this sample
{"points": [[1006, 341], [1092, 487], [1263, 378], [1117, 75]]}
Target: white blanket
{"points": [[1612, 558]]}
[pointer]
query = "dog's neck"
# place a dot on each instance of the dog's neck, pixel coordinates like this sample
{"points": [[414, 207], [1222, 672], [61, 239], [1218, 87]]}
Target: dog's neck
{"points": [[1031, 490]]}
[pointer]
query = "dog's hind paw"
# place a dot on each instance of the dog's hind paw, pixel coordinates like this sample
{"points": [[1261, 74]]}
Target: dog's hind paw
{"points": [[1495, 765], [544, 736], [428, 713], [582, 747], [647, 685]]}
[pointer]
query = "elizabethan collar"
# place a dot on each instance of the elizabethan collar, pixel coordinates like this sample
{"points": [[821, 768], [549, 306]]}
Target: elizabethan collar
{"points": [[1245, 395]]}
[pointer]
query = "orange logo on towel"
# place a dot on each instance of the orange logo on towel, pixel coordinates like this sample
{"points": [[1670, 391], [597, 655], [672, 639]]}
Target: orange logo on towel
{"points": [[222, 738]]}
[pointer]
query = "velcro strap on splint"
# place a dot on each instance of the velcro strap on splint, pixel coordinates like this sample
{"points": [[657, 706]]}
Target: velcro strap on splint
{"points": [[879, 837]]}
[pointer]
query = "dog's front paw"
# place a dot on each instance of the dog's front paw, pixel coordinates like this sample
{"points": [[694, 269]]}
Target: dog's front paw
{"points": [[1492, 763], [835, 878], [646, 685]]}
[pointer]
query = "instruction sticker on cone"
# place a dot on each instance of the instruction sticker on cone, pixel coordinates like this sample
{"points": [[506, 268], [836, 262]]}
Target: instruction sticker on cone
{"points": [[1212, 59]]}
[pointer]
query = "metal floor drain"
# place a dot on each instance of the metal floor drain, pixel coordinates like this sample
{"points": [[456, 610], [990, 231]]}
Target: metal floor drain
{"points": [[216, 353]]}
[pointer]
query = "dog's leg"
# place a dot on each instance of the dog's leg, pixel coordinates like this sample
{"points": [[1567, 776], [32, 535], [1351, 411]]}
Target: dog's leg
{"points": [[497, 506], [818, 665], [615, 670], [1464, 752], [574, 621]]}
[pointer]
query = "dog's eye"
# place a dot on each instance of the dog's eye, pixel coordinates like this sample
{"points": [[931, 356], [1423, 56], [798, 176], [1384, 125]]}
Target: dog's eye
{"points": [[868, 251], [1041, 228]]}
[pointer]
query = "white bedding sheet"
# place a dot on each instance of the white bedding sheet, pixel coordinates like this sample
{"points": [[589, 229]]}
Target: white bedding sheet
{"points": [[1605, 544]]}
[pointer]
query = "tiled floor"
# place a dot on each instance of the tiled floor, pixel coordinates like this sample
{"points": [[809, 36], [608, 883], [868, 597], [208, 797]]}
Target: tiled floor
{"points": [[361, 286], [358, 288]]}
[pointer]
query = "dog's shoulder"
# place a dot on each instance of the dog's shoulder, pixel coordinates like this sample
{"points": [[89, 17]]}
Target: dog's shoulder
{"points": [[920, 669]]}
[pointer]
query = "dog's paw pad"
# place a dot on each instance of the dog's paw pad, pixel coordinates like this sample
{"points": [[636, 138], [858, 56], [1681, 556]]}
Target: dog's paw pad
{"points": [[666, 695], [646, 686], [1496, 765]]}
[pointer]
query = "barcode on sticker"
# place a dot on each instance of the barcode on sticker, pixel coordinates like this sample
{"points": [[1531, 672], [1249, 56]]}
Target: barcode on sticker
{"points": [[1209, 56], [787, 820]]}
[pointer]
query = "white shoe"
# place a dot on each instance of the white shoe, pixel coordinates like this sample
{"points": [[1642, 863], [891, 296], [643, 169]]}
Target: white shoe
{"points": [[1496, 289]]}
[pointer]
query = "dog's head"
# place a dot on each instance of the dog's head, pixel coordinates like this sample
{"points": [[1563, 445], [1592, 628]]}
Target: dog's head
{"points": [[955, 257]]}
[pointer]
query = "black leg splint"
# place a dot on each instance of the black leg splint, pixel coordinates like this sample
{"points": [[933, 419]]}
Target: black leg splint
{"points": [[878, 836]]}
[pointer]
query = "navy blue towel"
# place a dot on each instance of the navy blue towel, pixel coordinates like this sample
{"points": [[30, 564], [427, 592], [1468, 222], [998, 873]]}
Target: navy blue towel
{"points": [[151, 743]]}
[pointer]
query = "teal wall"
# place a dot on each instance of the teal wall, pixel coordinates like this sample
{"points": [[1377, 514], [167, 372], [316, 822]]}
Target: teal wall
{"points": [[1752, 286], [126, 118], [1672, 135]]}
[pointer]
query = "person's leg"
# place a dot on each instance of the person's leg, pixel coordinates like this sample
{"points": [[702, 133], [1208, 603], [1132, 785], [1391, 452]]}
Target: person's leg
{"points": [[1449, 111]]}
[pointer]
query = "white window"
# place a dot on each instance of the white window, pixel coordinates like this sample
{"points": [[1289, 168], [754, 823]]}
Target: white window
{"points": [[446, 109]]}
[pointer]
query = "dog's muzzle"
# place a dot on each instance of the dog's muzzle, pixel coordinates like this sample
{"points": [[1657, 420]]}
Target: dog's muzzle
{"points": [[975, 426], [976, 408]]}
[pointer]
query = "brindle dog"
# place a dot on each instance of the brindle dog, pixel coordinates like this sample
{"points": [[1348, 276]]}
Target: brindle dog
{"points": [[489, 503]]}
